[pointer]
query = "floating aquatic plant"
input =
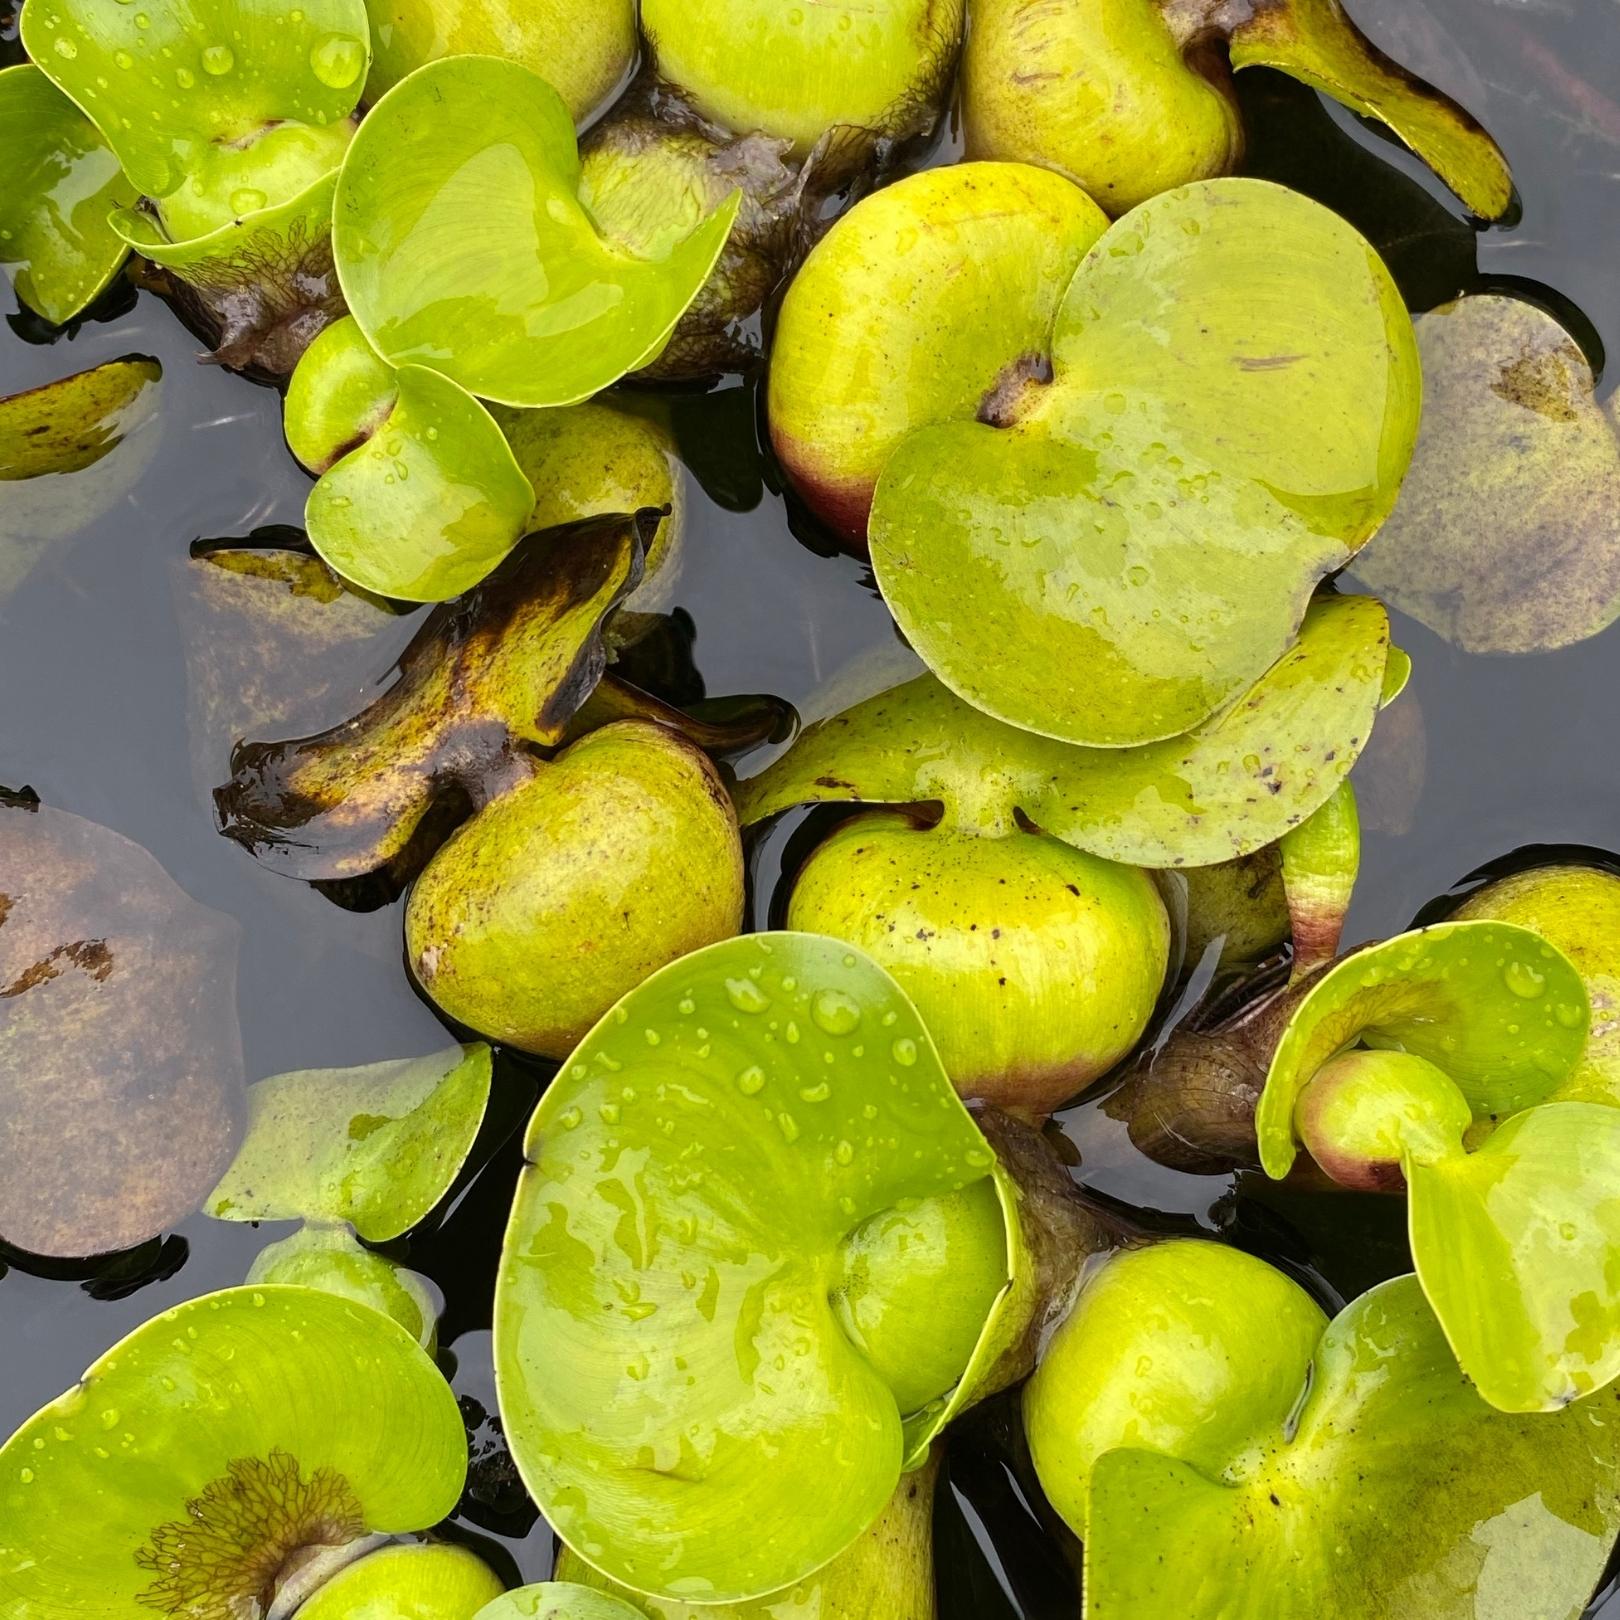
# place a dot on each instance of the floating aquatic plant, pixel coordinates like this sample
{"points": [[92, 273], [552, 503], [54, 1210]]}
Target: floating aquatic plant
{"points": [[1114, 530], [1222, 1449], [1132, 97]]}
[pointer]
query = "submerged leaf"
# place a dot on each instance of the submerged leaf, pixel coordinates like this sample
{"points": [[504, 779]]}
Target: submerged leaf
{"points": [[1506, 538], [62, 181], [509, 663], [463, 246], [757, 1148], [120, 1056], [1493, 1005], [376, 1146], [1233, 401], [236, 1434], [1225, 789], [332, 1259]]}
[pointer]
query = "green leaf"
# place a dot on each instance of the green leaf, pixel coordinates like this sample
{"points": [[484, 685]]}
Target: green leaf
{"points": [[1234, 400], [1576, 908], [201, 99], [1314, 41], [1506, 538], [1395, 1491], [226, 1436], [62, 182], [509, 664], [332, 1259], [1229, 787], [376, 1146], [430, 500], [427, 1581], [1502, 1012], [1518, 1245], [708, 1266], [558, 1600], [120, 1056], [462, 245]]}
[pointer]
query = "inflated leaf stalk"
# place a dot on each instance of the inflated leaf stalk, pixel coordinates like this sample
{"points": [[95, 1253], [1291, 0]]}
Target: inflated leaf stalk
{"points": [[1473, 1028], [419, 495], [798, 72], [1228, 1454], [1021, 922], [649, 174], [230, 118], [70, 450], [375, 1147], [1507, 535], [62, 182], [758, 1147], [507, 665], [1576, 908], [1131, 97], [1239, 903], [422, 1581], [1321, 858], [463, 246], [236, 1450], [582, 48], [332, 1259], [121, 1087]]}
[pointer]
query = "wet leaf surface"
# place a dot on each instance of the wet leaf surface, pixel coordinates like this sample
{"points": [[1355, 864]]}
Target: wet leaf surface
{"points": [[121, 1094]]}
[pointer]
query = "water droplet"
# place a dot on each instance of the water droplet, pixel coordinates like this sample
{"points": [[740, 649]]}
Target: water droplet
{"points": [[746, 996], [569, 1118], [124, 59], [609, 1113], [905, 1052], [652, 1037], [66, 49], [835, 1012], [1524, 980], [336, 60], [27, 1476], [218, 59], [687, 1006], [792, 1033], [1137, 574], [751, 1081], [788, 1126], [1568, 1014], [247, 200], [816, 1093], [844, 1153]]}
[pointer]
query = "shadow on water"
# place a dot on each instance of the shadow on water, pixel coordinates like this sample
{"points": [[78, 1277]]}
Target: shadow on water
{"points": [[99, 720]]}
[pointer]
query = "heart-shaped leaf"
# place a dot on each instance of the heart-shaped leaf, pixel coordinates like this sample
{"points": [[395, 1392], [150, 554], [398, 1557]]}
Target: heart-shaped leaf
{"points": [[1227, 788], [376, 1147], [332, 1259], [1494, 1006], [1233, 401], [1381, 1486], [430, 500], [510, 663], [201, 99], [62, 183], [120, 1056], [462, 245], [759, 1245], [1506, 538], [218, 1446]]}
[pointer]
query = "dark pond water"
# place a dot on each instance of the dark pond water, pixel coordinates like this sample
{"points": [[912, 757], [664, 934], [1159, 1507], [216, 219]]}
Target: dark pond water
{"points": [[94, 716]]}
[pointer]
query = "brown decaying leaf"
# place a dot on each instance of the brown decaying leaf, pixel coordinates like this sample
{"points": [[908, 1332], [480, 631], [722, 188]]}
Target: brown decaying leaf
{"points": [[121, 1083], [508, 664]]}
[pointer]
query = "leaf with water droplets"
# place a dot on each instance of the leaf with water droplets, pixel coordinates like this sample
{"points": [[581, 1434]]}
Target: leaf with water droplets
{"points": [[762, 1253]]}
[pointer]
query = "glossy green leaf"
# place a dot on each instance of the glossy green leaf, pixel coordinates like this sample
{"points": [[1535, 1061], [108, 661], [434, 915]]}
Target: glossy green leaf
{"points": [[1506, 538], [1576, 908], [752, 1200], [509, 664], [559, 1600], [332, 1259], [230, 1434], [210, 97], [120, 1054], [1229, 787], [1234, 400], [1314, 41], [376, 1146], [429, 500], [426, 1581], [462, 244], [1391, 1489], [1499, 1010], [62, 181], [1518, 1247]]}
